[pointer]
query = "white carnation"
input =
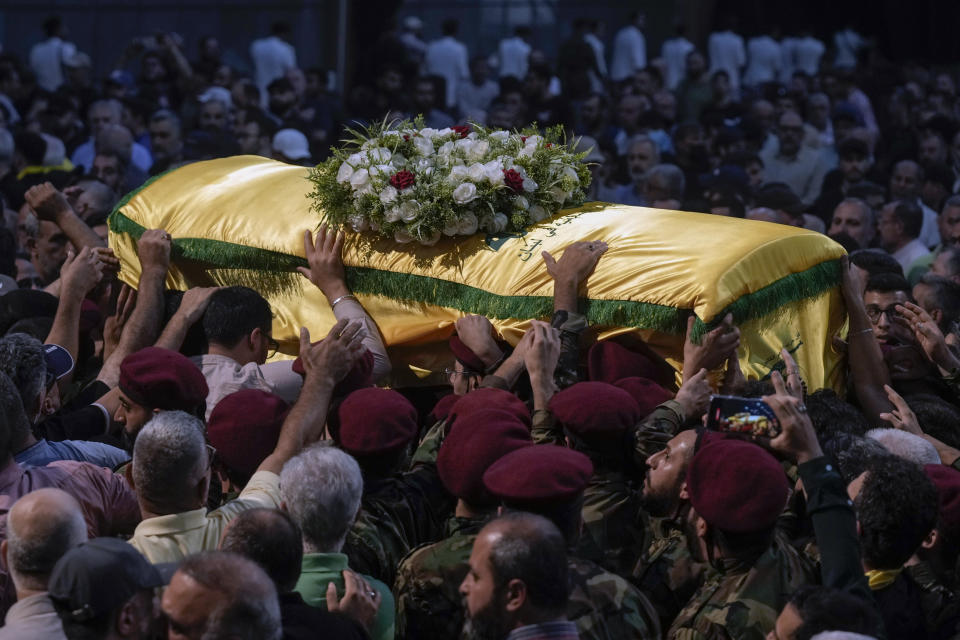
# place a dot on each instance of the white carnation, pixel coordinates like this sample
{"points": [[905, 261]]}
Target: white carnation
{"points": [[423, 145], [466, 192], [409, 210], [429, 133], [570, 172], [356, 159], [465, 144], [446, 148], [382, 170], [472, 135], [529, 185], [392, 214], [559, 195], [358, 223], [532, 141], [423, 164], [360, 179], [526, 152], [538, 213], [468, 224], [478, 150], [398, 160], [344, 173], [388, 195], [445, 131], [476, 172], [500, 136], [458, 173]]}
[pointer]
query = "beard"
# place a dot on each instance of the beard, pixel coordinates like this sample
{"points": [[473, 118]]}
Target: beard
{"points": [[657, 503], [488, 623]]}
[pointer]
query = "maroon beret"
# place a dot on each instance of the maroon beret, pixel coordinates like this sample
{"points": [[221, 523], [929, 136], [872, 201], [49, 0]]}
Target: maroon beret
{"points": [[162, 379], [360, 375], [648, 394], [376, 421], [736, 486], [539, 476], [596, 412], [244, 428], [947, 481], [608, 362], [441, 410], [486, 398], [474, 443], [466, 356]]}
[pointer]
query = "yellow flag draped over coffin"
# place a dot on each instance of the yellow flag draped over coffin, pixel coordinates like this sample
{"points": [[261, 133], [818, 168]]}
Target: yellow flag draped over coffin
{"points": [[240, 220]]}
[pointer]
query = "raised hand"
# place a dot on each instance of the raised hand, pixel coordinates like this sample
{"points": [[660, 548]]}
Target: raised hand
{"points": [[928, 336], [335, 355], [360, 601], [797, 440], [543, 353], [80, 273], [716, 347], [577, 262], [694, 395], [324, 257], [902, 417], [477, 333], [48, 203], [153, 247]]}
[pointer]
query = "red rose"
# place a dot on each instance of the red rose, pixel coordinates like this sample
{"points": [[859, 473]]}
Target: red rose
{"points": [[523, 139], [402, 180], [513, 179], [406, 138], [549, 144], [462, 129]]}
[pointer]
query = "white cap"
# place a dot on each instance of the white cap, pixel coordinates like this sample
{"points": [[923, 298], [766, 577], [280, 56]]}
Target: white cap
{"points": [[216, 93], [292, 144]]}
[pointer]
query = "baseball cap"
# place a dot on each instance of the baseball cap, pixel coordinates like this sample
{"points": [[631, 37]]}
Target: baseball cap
{"points": [[292, 144], [59, 362], [98, 576]]}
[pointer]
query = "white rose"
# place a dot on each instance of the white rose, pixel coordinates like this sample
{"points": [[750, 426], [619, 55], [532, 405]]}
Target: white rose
{"points": [[409, 210], [344, 173], [479, 150], [500, 136], [499, 222], [423, 145], [356, 159], [465, 193], [360, 179], [493, 174], [476, 172], [468, 224], [382, 170], [472, 135], [526, 152], [429, 133], [446, 149], [529, 185], [398, 160], [402, 237], [423, 164], [521, 203], [429, 241], [359, 223], [532, 141], [458, 173], [446, 131], [452, 229], [388, 195], [464, 144], [538, 213], [559, 195], [392, 214], [368, 144], [570, 172]]}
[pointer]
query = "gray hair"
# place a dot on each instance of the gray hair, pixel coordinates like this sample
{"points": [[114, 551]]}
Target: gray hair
{"points": [[841, 635], [672, 177], [169, 457], [865, 209], [164, 115], [6, 146], [252, 608], [906, 445], [854, 454], [21, 358], [642, 138], [322, 488], [41, 527]]}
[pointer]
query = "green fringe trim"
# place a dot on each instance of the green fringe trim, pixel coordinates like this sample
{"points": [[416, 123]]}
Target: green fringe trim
{"points": [[772, 299]]}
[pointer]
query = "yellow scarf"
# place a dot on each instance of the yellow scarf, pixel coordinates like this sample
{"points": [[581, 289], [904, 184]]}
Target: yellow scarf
{"points": [[882, 578]]}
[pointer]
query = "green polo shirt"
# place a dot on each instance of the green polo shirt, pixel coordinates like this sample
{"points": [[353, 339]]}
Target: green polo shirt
{"points": [[320, 569]]}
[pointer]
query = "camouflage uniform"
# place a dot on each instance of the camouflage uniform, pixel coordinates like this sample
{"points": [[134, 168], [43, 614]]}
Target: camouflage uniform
{"points": [[941, 605], [604, 606], [428, 584], [740, 599], [398, 514]]}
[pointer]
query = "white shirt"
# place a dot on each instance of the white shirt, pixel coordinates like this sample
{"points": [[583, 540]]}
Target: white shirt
{"points": [[847, 43], [765, 58], [513, 57], [674, 53], [728, 53], [272, 58], [447, 57], [46, 60], [225, 376], [473, 100], [909, 253], [930, 231], [807, 54], [629, 53], [84, 154], [789, 48], [596, 82]]}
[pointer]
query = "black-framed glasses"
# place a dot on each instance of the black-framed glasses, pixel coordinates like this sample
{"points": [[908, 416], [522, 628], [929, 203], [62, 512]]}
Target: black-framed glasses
{"points": [[874, 312]]}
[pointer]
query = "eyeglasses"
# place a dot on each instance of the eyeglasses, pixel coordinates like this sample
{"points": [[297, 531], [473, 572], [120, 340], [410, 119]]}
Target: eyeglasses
{"points": [[874, 312], [465, 372], [272, 347]]}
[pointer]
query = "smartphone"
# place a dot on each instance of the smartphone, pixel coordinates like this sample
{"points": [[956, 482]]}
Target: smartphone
{"points": [[748, 416]]}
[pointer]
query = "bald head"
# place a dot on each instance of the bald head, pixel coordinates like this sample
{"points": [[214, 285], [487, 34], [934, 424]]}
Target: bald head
{"points": [[41, 527]]}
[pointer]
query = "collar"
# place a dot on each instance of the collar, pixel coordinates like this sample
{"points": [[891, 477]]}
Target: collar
{"points": [[10, 475], [172, 523], [324, 563]]}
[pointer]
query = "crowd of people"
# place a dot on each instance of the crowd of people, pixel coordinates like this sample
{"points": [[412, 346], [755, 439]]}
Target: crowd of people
{"points": [[160, 478]]}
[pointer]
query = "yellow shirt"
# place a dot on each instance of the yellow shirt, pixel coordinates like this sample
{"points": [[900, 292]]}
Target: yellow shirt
{"points": [[172, 538]]}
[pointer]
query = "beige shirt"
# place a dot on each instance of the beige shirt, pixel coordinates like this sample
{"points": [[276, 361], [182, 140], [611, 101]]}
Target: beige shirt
{"points": [[172, 538]]}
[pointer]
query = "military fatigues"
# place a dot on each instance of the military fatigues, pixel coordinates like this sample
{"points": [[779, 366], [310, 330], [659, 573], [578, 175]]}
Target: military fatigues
{"points": [[398, 514], [428, 584], [741, 599], [604, 606], [614, 522]]}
